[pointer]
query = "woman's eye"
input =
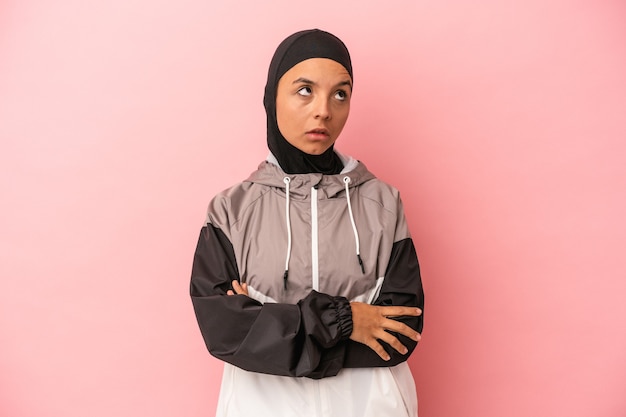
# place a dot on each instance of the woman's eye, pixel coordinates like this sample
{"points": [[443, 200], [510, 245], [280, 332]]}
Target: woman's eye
{"points": [[341, 95], [305, 91]]}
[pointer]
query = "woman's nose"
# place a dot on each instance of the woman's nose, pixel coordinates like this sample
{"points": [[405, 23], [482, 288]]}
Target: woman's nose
{"points": [[322, 109]]}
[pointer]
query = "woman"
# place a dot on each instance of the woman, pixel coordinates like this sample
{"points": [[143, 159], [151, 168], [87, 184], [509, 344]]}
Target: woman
{"points": [[305, 280]]}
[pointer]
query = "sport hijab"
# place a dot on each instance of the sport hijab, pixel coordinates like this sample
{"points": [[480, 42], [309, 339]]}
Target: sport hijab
{"points": [[296, 48]]}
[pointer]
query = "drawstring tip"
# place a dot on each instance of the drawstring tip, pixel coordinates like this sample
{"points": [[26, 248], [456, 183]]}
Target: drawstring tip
{"points": [[360, 262], [285, 276]]}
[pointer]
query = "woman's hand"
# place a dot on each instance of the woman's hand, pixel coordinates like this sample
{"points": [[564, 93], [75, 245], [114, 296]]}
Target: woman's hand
{"points": [[373, 323], [238, 288]]}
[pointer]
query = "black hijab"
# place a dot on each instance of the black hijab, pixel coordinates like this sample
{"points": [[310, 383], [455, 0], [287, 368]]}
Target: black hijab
{"points": [[296, 48]]}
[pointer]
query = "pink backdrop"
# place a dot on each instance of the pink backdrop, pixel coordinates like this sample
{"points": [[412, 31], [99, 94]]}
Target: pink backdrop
{"points": [[502, 123]]}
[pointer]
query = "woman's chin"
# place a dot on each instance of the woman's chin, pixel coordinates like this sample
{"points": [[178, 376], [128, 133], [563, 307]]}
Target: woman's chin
{"points": [[315, 149]]}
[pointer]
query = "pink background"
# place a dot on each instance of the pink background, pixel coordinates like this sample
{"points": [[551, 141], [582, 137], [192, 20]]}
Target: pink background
{"points": [[502, 123]]}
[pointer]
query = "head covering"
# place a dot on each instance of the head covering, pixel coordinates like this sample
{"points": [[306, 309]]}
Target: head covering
{"points": [[296, 48]]}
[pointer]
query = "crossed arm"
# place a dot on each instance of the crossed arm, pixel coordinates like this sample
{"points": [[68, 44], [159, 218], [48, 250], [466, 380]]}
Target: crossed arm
{"points": [[370, 324], [316, 337]]}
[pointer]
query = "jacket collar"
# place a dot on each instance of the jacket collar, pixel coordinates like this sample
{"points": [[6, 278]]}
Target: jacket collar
{"points": [[270, 174]]}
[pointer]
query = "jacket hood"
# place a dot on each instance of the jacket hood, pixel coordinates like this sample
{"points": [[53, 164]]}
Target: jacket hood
{"points": [[296, 48], [270, 174]]}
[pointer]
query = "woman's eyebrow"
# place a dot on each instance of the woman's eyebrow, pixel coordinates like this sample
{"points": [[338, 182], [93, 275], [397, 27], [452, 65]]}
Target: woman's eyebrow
{"points": [[302, 80], [347, 82]]}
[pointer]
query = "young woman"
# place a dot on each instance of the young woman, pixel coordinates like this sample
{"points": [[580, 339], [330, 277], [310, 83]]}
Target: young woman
{"points": [[305, 280]]}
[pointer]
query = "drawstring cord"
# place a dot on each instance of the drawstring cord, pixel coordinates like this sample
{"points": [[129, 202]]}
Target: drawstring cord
{"points": [[287, 180], [346, 181]]}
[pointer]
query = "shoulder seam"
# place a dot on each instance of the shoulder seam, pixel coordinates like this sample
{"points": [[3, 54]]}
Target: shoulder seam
{"points": [[244, 209]]}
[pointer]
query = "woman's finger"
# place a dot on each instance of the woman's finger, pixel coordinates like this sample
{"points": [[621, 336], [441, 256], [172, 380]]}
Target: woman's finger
{"points": [[240, 288], [393, 341], [403, 329], [379, 349], [397, 311]]}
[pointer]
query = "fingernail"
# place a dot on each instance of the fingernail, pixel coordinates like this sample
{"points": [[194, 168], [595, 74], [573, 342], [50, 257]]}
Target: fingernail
{"points": [[404, 351], [386, 357], [418, 311]]}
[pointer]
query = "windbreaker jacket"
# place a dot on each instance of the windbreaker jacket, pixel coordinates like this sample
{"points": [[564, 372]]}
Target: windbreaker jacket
{"points": [[306, 245]]}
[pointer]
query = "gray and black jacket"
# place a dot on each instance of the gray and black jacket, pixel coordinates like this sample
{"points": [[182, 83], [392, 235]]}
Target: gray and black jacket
{"points": [[306, 245]]}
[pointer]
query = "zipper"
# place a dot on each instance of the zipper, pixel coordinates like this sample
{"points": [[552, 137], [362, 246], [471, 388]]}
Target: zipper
{"points": [[314, 248], [319, 410]]}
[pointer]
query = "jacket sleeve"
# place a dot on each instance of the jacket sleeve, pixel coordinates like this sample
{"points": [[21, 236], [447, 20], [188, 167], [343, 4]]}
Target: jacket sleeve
{"points": [[273, 338], [402, 286]]}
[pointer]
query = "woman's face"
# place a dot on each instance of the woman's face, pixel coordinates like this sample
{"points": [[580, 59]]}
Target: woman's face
{"points": [[313, 103]]}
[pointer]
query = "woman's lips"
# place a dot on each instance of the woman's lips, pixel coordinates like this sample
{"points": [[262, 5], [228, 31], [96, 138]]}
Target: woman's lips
{"points": [[317, 134]]}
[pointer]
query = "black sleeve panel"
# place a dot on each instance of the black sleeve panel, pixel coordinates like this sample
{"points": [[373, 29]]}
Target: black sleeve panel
{"points": [[273, 338], [402, 287]]}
